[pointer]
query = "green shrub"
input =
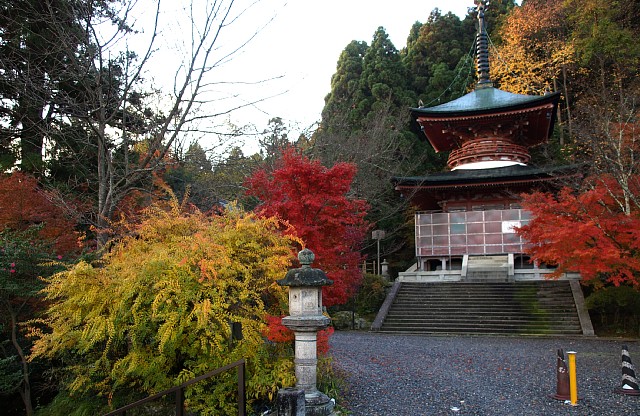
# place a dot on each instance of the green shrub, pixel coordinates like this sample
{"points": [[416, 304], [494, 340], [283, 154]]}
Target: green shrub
{"points": [[371, 294], [332, 381], [617, 307]]}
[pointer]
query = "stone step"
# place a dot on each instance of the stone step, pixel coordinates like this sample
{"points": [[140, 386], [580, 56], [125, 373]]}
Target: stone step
{"points": [[478, 310], [429, 286], [471, 299], [487, 259], [476, 319], [475, 310], [517, 326], [481, 331], [462, 286], [484, 322], [484, 301], [483, 268], [487, 272], [501, 308], [479, 297]]}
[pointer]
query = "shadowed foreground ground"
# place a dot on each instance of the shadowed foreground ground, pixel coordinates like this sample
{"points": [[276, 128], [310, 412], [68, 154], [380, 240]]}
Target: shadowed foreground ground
{"points": [[419, 375]]}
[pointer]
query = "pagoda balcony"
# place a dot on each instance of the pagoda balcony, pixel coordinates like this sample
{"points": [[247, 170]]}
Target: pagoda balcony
{"points": [[488, 149]]}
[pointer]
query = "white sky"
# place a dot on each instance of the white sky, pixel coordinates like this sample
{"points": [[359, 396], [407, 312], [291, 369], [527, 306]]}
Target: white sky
{"points": [[302, 44]]}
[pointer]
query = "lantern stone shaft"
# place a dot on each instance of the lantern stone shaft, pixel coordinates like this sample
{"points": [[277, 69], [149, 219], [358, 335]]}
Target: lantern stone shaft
{"points": [[305, 320]]}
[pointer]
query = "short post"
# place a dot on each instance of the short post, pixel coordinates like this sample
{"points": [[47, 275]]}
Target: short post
{"points": [[305, 320], [385, 270], [573, 379]]}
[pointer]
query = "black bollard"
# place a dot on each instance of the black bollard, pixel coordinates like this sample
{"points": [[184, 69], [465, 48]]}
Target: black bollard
{"points": [[629, 384]]}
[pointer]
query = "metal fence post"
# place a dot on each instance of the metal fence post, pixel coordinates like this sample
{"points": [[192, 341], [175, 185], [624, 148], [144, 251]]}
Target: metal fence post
{"points": [[242, 406], [179, 402]]}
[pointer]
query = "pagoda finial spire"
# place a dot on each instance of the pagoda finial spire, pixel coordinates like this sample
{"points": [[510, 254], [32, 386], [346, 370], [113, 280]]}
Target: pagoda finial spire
{"points": [[482, 48]]}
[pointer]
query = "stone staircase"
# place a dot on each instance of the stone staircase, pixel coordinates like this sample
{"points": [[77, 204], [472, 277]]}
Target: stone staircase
{"points": [[509, 308]]}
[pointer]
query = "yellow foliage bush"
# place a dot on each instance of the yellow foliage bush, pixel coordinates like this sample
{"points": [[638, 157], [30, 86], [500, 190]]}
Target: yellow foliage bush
{"points": [[158, 309]]}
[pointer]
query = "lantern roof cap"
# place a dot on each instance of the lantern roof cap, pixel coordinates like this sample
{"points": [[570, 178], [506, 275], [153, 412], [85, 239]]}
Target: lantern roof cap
{"points": [[305, 275]]}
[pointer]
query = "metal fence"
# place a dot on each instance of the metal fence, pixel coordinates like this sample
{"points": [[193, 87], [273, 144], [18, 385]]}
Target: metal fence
{"points": [[179, 391]]}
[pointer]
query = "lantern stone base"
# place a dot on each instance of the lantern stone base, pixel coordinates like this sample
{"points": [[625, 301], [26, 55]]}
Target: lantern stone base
{"points": [[291, 402], [318, 404], [294, 402]]}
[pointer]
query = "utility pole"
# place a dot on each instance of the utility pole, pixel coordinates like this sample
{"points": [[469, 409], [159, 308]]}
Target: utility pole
{"points": [[378, 235]]}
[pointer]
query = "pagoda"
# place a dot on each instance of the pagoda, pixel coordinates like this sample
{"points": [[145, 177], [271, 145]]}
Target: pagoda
{"points": [[466, 216]]}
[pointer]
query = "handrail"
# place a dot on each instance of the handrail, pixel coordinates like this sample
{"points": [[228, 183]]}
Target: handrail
{"points": [[179, 391]]}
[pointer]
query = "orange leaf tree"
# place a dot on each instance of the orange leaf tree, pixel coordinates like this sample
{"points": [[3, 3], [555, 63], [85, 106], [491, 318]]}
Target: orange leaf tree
{"points": [[34, 232], [315, 200], [534, 48], [157, 311], [587, 232], [23, 203]]}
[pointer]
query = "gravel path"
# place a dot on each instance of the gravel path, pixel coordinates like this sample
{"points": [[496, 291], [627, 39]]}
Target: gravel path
{"points": [[459, 375]]}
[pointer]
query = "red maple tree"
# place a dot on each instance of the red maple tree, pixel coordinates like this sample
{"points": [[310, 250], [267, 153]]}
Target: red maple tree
{"points": [[24, 203], [277, 332], [315, 200], [587, 232]]}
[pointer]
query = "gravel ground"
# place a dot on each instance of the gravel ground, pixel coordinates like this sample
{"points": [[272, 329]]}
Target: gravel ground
{"points": [[465, 375]]}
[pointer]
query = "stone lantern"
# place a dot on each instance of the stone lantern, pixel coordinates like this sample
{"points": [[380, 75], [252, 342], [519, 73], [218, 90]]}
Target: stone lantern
{"points": [[305, 320]]}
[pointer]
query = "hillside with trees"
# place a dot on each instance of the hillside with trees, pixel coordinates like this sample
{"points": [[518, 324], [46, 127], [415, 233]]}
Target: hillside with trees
{"points": [[365, 119], [106, 189]]}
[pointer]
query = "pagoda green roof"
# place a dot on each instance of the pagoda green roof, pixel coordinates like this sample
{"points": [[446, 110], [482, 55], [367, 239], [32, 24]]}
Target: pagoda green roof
{"points": [[481, 100]]}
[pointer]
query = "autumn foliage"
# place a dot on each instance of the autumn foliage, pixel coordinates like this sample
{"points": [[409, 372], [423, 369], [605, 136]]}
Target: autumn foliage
{"points": [[277, 332], [23, 203], [587, 232], [315, 200], [534, 49], [157, 311]]}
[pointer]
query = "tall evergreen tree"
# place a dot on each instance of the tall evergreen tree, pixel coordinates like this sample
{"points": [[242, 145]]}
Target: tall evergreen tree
{"points": [[434, 54], [384, 77], [33, 69], [345, 87], [91, 102], [274, 140]]}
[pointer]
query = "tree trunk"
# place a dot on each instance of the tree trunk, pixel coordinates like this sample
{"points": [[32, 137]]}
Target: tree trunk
{"points": [[25, 390], [559, 113], [566, 100]]}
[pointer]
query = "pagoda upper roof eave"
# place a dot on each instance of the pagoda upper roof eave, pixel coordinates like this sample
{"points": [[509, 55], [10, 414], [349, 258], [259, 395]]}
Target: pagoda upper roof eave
{"points": [[446, 130], [484, 101]]}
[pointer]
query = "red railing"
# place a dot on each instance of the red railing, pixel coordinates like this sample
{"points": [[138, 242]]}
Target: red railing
{"points": [[488, 149]]}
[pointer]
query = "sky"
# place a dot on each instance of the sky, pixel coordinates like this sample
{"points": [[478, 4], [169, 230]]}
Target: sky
{"points": [[300, 46]]}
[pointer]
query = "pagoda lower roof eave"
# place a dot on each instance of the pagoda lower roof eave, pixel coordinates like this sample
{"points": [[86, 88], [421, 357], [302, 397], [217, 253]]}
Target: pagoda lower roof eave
{"points": [[400, 187], [511, 175]]}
